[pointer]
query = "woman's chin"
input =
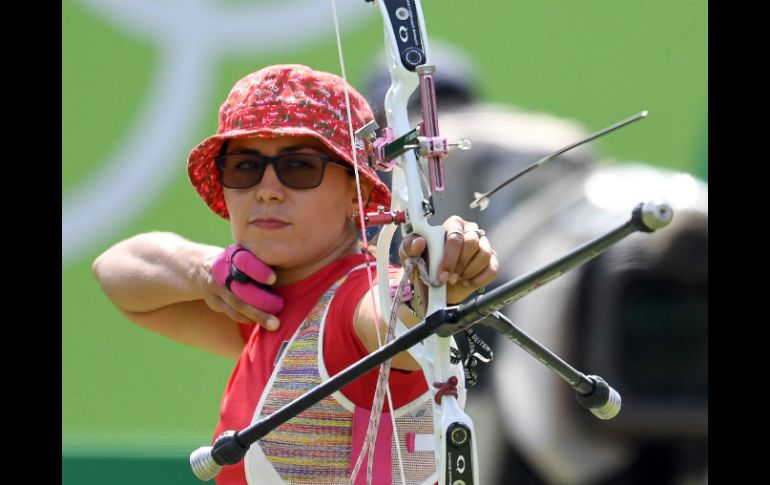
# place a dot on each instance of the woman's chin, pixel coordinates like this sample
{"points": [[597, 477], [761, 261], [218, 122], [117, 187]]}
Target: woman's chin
{"points": [[277, 259], [270, 254]]}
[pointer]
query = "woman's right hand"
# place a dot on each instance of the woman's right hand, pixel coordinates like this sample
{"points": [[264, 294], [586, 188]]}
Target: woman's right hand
{"points": [[237, 284]]}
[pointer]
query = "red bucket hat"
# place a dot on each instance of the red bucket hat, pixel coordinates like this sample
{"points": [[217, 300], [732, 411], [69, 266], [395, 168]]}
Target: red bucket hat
{"points": [[286, 100]]}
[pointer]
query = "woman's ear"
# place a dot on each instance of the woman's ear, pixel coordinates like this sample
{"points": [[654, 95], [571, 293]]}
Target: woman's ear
{"points": [[366, 190]]}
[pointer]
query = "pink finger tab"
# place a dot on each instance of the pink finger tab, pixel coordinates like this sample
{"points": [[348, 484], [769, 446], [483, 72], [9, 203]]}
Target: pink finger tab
{"points": [[220, 268], [257, 297], [249, 264], [231, 249]]}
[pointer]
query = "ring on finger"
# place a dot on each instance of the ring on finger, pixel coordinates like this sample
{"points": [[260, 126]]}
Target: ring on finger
{"points": [[479, 232]]}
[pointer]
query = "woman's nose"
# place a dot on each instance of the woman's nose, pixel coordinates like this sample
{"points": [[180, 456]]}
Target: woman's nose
{"points": [[270, 188]]}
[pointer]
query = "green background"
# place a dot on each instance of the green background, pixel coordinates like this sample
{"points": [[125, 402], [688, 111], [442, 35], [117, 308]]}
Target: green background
{"points": [[132, 398]]}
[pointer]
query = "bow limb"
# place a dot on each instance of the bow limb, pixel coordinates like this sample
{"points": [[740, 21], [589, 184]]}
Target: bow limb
{"points": [[407, 48]]}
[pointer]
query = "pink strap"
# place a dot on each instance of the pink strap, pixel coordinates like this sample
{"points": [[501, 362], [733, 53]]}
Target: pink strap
{"points": [[410, 442], [383, 465]]}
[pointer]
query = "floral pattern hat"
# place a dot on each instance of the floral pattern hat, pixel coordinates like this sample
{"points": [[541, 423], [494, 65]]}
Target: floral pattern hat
{"points": [[286, 100]]}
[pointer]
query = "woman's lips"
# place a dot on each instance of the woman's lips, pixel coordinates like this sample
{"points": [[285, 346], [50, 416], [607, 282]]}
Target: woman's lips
{"points": [[270, 223]]}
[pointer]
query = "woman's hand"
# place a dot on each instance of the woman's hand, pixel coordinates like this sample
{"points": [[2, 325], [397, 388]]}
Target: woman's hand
{"points": [[469, 262], [237, 284]]}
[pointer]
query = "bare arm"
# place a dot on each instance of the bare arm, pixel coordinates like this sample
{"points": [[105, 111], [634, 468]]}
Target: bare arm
{"points": [[366, 330], [162, 282]]}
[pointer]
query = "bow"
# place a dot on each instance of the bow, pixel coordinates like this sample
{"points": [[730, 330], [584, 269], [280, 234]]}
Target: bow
{"points": [[396, 149], [399, 150]]}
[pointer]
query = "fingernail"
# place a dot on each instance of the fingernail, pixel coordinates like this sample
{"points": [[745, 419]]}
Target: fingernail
{"points": [[453, 279], [272, 323], [444, 276]]}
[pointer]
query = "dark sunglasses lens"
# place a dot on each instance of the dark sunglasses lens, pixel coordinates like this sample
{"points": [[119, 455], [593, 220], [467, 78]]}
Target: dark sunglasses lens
{"points": [[301, 170], [241, 171]]}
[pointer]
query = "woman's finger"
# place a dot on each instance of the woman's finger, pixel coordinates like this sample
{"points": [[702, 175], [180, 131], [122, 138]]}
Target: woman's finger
{"points": [[469, 251], [453, 248], [479, 260], [488, 274]]}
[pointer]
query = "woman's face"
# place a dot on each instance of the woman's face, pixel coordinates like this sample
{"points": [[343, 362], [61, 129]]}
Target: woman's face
{"points": [[296, 231]]}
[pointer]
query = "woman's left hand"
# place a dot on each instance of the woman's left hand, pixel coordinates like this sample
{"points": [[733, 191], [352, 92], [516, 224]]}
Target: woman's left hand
{"points": [[469, 262]]}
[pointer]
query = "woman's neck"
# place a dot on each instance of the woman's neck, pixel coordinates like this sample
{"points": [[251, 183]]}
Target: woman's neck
{"points": [[287, 276]]}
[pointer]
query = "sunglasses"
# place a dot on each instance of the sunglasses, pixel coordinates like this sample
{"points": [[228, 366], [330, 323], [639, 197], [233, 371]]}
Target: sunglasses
{"points": [[294, 170]]}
